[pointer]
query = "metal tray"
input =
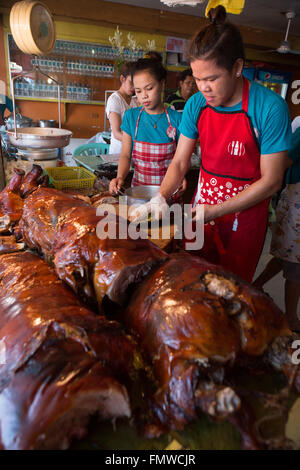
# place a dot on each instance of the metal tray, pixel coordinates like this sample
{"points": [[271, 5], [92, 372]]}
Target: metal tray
{"points": [[140, 194], [39, 138]]}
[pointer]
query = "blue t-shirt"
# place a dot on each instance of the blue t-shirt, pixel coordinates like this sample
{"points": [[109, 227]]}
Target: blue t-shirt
{"points": [[146, 131], [8, 105], [268, 112]]}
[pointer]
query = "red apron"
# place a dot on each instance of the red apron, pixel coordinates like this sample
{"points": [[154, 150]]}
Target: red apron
{"points": [[151, 160], [230, 162]]}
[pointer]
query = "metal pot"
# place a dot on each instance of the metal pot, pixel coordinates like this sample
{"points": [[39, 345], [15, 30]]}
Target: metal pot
{"points": [[47, 123], [38, 138], [39, 154], [140, 194], [21, 121]]}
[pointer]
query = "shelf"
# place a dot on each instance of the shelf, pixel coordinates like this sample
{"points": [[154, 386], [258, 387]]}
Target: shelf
{"points": [[91, 74], [51, 100]]}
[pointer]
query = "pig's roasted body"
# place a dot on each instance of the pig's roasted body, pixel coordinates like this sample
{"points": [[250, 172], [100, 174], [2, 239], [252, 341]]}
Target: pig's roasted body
{"points": [[60, 362], [195, 323], [12, 196], [63, 228]]}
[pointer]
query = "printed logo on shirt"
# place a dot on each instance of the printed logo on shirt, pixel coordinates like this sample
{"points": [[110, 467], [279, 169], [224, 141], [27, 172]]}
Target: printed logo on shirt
{"points": [[236, 148]]}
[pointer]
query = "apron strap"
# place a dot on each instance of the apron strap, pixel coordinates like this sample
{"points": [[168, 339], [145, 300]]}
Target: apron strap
{"points": [[245, 99], [138, 121], [170, 125]]}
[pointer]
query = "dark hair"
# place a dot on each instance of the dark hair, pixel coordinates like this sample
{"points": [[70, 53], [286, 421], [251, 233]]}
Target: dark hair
{"points": [[125, 69], [220, 41], [152, 61], [185, 73]]}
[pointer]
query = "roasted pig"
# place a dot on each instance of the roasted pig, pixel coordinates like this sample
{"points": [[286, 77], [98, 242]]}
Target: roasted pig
{"points": [[195, 324], [12, 196], [8, 244], [64, 229], [30, 181], [59, 362], [11, 202]]}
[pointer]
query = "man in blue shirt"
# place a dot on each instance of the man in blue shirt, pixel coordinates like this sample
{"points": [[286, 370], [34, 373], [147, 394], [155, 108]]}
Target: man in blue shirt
{"points": [[187, 88]]}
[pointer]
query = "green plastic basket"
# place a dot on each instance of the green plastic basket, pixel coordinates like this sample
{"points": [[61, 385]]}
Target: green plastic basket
{"points": [[71, 177]]}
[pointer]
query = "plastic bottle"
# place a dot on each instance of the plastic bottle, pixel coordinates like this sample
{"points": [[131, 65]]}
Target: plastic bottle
{"points": [[68, 91], [17, 88], [85, 92], [21, 87], [34, 89], [43, 89], [74, 91], [80, 92]]}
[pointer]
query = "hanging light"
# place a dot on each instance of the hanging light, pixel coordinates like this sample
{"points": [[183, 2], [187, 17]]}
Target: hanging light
{"points": [[173, 3]]}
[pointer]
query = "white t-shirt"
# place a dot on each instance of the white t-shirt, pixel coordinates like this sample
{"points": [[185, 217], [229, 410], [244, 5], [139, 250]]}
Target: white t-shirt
{"points": [[117, 104]]}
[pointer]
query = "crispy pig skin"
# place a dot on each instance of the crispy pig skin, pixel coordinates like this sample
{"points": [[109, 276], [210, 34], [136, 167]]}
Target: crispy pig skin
{"points": [[8, 244], [30, 181], [13, 195], [42, 213], [64, 229], [191, 318], [11, 203], [60, 362]]}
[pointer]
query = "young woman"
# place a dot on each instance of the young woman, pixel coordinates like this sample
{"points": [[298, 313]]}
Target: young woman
{"points": [[244, 132], [117, 104], [150, 133]]}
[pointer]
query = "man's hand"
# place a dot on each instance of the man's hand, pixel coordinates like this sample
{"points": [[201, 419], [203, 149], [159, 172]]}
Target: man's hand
{"points": [[157, 206], [115, 184], [182, 188], [211, 212]]}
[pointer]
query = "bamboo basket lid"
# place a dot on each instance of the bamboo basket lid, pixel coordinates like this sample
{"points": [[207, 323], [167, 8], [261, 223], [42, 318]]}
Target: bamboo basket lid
{"points": [[32, 27]]}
